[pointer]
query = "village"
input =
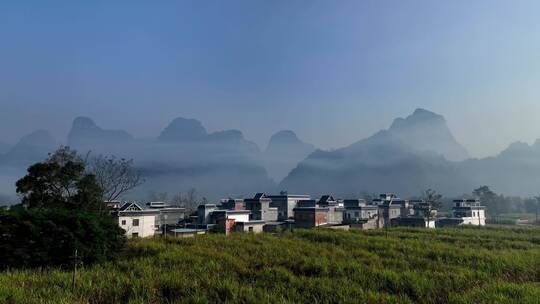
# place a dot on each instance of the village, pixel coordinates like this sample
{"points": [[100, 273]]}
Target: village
{"points": [[275, 213]]}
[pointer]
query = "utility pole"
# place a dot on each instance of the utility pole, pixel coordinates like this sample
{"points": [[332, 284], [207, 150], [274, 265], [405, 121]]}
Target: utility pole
{"points": [[75, 262]]}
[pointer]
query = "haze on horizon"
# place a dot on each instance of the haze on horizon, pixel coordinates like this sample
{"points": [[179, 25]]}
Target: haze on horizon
{"points": [[332, 73]]}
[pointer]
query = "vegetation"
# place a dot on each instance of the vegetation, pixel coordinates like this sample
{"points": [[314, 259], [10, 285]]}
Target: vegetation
{"points": [[61, 182], [62, 212], [50, 237], [466, 265]]}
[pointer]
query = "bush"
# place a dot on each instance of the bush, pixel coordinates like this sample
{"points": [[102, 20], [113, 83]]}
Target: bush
{"points": [[49, 237]]}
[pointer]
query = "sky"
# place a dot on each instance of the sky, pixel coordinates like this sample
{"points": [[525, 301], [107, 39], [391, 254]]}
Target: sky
{"points": [[332, 71]]}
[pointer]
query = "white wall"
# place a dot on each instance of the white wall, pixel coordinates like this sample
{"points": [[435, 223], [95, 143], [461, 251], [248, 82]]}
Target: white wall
{"points": [[146, 226], [243, 217]]}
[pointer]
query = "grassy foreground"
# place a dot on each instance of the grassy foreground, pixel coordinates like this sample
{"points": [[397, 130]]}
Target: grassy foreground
{"points": [[489, 265]]}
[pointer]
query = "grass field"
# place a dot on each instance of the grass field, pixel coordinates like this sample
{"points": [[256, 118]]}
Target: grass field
{"points": [[466, 265]]}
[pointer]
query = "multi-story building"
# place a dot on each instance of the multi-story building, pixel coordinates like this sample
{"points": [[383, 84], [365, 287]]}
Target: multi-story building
{"points": [[359, 214], [286, 203], [469, 211], [136, 221], [260, 208]]}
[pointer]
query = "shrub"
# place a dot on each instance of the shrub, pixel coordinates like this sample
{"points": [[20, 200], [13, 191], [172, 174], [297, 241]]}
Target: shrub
{"points": [[49, 237]]}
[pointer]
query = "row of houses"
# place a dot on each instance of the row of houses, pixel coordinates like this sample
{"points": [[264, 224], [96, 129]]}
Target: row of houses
{"points": [[272, 213]]}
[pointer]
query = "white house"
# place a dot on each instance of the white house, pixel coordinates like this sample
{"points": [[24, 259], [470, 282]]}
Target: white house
{"points": [[136, 221], [469, 212]]}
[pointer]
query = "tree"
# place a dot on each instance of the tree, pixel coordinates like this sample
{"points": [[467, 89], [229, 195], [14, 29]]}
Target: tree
{"points": [[187, 200], [49, 237], [433, 198], [60, 182], [115, 176], [489, 198]]}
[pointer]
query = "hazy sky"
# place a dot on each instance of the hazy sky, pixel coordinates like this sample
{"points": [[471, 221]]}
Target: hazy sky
{"points": [[333, 71]]}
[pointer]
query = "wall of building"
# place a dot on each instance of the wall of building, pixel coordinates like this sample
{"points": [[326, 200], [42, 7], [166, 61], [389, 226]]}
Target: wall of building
{"points": [[145, 228], [245, 227]]}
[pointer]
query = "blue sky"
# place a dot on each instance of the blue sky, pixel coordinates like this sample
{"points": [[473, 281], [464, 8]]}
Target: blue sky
{"points": [[333, 71]]}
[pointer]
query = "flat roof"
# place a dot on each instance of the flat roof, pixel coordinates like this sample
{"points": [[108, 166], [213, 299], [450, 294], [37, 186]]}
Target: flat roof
{"points": [[232, 211], [252, 222]]}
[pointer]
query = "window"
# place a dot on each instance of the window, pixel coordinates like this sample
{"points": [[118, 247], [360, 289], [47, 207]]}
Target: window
{"points": [[250, 229], [135, 234], [123, 222], [473, 213], [135, 222], [356, 214]]}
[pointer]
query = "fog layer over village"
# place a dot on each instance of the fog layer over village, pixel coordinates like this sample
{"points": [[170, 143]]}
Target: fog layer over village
{"points": [[415, 153]]}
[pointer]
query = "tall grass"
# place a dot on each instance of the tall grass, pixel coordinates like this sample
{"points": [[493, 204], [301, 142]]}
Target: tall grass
{"points": [[465, 265]]}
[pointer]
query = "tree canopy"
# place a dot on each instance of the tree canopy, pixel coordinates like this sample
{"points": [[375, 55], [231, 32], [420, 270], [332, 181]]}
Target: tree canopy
{"points": [[61, 182]]}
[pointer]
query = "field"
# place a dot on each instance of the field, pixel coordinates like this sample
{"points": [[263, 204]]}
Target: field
{"points": [[465, 265]]}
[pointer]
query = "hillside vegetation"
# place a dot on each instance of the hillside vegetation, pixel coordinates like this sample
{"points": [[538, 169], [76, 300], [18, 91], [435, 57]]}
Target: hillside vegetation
{"points": [[466, 265]]}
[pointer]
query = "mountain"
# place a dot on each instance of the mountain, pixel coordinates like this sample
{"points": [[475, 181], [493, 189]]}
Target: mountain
{"points": [[31, 148], [284, 151], [183, 129], [409, 157], [86, 134], [184, 155], [426, 131], [514, 171]]}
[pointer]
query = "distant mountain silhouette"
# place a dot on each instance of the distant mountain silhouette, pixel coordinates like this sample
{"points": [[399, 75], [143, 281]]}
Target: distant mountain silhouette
{"points": [[184, 155], [407, 158], [426, 131], [285, 150], [515, 171], [85, 133], [31, 148], [413, 154], [183, 129]]}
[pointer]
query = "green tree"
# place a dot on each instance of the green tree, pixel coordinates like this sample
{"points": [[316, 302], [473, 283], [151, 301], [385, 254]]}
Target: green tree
{"points": [[433, 198], [62, 211], [489, 199], [61, 182], [49, 237]]}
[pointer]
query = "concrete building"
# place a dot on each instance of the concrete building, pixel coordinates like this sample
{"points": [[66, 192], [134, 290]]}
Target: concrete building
{"points": [[359, 214], [286, 203], [335, 211], [470, 212], [136, 221], [310, 216], [389, 207], [251, 226], [260, 208], [225, 220], [169, 216], [204, 214]]}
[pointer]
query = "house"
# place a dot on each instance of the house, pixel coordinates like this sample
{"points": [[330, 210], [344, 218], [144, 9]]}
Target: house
{"points": [[204, 214], [285, 203], [169, 216], [136, 221], [335, 211], [466, 212], [389, 207], [310, 216], [186, 232], [359, 214], [260, 208], [225, 220], [250, 226]]}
